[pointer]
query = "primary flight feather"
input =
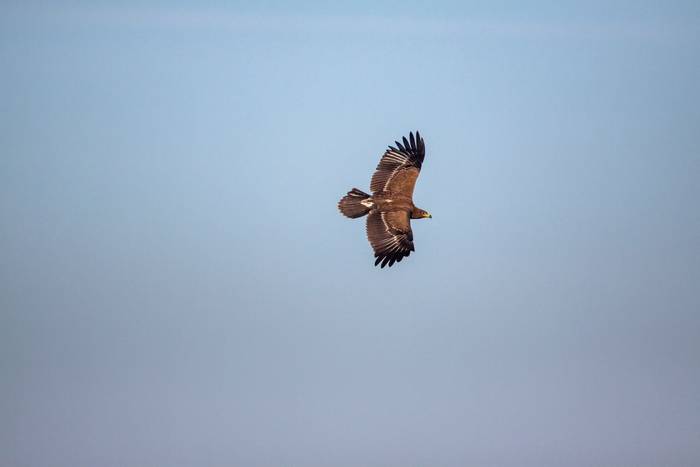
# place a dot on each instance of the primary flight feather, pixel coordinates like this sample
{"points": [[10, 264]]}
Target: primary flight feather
{"points": [[390, 207]]}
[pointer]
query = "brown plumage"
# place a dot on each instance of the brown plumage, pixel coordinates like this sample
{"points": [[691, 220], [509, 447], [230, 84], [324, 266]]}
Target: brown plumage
{"points": [[390, 206]]}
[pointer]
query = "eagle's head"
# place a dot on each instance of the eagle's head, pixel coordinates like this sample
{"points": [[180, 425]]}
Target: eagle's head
{"points": [[420, 214]]}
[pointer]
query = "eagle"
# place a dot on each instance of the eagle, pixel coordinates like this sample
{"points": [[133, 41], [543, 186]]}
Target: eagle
{"points": [[390, 207]]}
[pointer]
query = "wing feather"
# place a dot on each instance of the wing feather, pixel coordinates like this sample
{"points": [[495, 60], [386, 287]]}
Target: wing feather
{"points": [[390, 235], [399, 167]]}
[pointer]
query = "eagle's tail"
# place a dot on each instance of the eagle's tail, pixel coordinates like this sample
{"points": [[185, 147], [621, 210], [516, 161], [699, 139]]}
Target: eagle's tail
{"points": [[355, 204]]}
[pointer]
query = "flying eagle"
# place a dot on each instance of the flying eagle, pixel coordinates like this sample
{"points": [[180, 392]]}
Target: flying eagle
{"points": [[390, 206]]}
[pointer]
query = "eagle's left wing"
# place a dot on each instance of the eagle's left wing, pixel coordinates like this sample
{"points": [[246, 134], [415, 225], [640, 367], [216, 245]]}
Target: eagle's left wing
{"points": [[390, 235], [399, 167]]}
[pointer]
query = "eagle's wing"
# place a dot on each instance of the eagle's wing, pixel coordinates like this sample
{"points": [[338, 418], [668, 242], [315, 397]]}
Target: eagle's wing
{"points": [[398, 169], [390, 235]]}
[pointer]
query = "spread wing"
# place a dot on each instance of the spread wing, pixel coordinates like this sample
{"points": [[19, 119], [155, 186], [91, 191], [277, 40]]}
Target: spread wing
{"points": [[390, 235], [399, 167]]}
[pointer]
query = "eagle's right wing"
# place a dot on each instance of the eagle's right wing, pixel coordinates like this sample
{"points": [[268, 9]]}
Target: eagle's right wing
{"points": [[390, 235], [399, 167]]}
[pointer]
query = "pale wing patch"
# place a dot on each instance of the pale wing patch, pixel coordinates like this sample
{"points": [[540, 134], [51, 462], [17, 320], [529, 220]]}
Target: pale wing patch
{"points": [[390, 235], [399, 166], [389, 165]]}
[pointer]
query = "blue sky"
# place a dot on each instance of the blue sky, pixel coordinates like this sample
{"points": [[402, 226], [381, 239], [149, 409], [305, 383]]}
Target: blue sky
{"points": [[178, 288]]}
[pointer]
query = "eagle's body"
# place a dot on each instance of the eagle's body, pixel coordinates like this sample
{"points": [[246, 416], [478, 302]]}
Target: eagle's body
{"points": [[388, 201], [390, 207]]}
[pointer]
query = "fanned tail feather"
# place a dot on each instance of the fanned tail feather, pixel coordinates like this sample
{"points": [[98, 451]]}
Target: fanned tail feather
{"points": [[351, 204]]}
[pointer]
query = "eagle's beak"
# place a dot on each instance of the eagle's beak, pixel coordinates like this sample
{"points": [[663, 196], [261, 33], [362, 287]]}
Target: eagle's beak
{"points": [[428, 215]]}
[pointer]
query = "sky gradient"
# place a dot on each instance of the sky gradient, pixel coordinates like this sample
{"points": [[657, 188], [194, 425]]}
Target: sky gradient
{"points": [[178, 288]]}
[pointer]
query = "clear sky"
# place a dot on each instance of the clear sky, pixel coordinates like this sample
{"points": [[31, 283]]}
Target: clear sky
{"points": [[177, 287]]}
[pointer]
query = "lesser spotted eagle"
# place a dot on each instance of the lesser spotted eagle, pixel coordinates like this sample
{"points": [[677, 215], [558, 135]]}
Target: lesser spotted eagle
{"points": [[390, 207]]}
